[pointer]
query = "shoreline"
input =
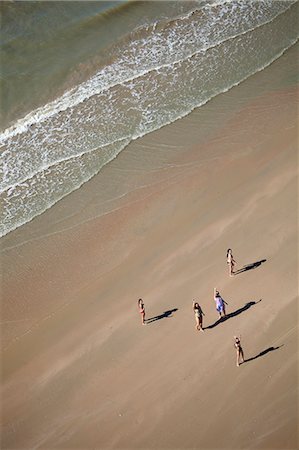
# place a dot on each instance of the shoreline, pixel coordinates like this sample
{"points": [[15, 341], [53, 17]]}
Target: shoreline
{"points": [[81, 372]]}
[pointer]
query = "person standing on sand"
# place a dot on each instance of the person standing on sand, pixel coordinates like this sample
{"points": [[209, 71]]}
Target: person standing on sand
{"points": [[220, 304], [141, 310], [230, 261], [240, 353], [198, 312]]}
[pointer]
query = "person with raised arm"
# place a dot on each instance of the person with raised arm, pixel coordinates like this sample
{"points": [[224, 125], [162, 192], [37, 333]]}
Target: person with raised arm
{"points": [[220, 304]]}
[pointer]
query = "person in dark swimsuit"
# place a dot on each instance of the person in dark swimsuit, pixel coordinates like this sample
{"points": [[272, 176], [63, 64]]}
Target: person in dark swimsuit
{"points": [[141, 310], [240, 353], [198, 312]]}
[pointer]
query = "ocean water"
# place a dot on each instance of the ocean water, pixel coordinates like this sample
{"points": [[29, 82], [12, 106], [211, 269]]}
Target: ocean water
{"points": [[81, 80]]}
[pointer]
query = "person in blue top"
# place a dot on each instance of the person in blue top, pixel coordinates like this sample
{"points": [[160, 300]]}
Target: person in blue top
{"points": [[220, 304]]}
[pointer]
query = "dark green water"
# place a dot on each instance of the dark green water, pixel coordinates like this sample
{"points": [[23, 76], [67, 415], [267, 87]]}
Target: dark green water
{"points": [[48, 46]]}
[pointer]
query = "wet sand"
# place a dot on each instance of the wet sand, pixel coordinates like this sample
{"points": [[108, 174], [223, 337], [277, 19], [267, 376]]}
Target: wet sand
{"points": [[78, 368]]}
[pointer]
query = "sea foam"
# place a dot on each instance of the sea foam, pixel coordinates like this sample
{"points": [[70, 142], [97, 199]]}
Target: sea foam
{"points": [[160, 75]]}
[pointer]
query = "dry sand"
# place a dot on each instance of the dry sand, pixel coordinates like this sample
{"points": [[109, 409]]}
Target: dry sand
{"points": [[78, 368]]}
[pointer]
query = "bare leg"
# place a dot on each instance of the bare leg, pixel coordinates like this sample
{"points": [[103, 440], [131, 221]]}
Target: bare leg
{"points": [[238, 357], [200, 324], [242, 355]]}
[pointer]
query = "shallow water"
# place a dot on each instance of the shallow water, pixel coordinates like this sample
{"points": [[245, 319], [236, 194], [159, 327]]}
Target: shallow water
{"points": [[165, 60]]}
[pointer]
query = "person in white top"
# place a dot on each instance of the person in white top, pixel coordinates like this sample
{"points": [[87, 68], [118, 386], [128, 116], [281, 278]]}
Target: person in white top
{"points": [[220, 304]]}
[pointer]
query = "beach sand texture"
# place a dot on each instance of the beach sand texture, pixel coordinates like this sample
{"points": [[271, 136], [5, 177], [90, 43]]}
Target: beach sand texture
{"points": [[79, 370]]}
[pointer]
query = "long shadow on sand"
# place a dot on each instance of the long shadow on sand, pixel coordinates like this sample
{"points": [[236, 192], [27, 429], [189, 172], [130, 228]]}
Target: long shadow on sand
{"points": [[162, 316], [264, 352], [233, 314], [250, 266]]}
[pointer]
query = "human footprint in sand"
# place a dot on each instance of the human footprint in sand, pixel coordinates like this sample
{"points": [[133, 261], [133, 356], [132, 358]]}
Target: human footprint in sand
{"points": [[141, 310], [240, 353], [230, 261], [198, 312], [220, 304]]}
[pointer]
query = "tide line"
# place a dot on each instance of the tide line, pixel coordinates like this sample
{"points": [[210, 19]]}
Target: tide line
{"points": [[86, 90]]}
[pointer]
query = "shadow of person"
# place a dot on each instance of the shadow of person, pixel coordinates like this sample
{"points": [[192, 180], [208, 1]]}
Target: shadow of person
{"points": [[250, 266], [263, 353], [233, 314], [162, 316]]}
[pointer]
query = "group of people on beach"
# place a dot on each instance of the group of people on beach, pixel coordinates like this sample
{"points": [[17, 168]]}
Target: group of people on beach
{"points": [[220, 307], [198, 312]]}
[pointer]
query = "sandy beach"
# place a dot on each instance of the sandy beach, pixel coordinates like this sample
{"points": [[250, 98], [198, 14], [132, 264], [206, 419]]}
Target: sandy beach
{"points": [[78, 368]]}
